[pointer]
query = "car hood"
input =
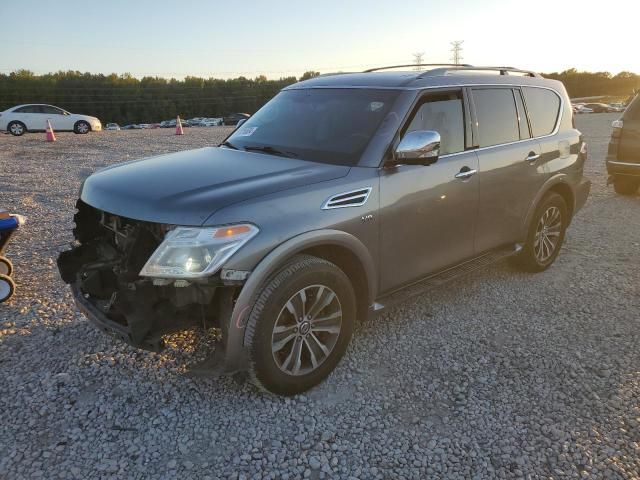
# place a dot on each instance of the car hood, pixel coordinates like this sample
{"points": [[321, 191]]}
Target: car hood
{"points": [[186, 188]]}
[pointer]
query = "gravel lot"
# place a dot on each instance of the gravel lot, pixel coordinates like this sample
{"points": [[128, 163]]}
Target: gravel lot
{"points": [[502, 374]]}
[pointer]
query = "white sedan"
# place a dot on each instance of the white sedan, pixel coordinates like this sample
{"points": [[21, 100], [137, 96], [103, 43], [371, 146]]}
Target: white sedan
{"points": [[33, 117]]}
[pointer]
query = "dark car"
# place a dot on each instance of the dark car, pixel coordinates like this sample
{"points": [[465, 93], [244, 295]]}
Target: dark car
{"points": [[623, 157], [600, 107], [341, 197], [234, 118]]}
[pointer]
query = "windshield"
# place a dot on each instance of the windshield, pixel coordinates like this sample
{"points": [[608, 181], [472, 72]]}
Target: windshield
{"points": [[322, 125]]}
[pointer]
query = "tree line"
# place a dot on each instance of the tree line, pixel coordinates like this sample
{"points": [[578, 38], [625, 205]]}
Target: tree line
{"points": [[127, 99]]}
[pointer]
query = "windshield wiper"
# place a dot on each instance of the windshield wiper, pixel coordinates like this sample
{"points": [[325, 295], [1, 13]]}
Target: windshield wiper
{"points": [[270, 150], [229, 145]]}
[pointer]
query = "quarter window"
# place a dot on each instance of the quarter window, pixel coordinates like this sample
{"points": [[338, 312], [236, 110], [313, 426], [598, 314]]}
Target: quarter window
{"points": [[497, 116], [443, 114], [543, 106]]}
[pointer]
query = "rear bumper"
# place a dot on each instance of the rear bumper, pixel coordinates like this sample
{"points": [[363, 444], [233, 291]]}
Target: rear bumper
{"points": [[618, 167], [582, 193]]}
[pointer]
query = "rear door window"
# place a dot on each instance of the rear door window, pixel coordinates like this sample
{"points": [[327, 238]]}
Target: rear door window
{"points": [[544, 107], [444, 114], [496, 115], [50, 110]]}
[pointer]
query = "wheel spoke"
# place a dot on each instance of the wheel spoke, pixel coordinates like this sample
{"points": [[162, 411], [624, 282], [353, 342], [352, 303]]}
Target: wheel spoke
{"points": [[324, 304], [322, 346], [312, 354], [333, 329], [333, 316], [279, 345], [297, 348]]}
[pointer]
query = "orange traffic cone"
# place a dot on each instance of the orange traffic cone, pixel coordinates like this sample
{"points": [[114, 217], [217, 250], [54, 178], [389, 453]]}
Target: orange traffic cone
{"points": [[179, 130], [51, 137]]}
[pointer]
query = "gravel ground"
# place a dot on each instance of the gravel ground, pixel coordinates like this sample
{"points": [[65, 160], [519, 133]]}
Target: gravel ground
{"points": [[498, 375]]}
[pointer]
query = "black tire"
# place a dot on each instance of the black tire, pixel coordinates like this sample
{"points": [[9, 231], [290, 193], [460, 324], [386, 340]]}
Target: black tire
{"points": [[17, 129], [626, 185], [81, 127], [301, 273], [7, 288], [6, 267], [532, 257]]}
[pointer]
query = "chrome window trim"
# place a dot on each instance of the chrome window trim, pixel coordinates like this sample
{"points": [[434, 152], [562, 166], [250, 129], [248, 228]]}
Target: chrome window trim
{"points": [[462, 85], [366, 194], [626, 164]]}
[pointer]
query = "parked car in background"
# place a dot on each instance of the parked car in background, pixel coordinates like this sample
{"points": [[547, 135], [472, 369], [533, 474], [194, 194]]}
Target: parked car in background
{"points": [[329, 205], [580, 108], [623, 156], [133, 126], [112, 126], [599, 107], [234, 118], [210, 122], [33, 118]]}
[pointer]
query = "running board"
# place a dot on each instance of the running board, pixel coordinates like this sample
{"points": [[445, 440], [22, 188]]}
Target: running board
{"points": [[443, 277]]}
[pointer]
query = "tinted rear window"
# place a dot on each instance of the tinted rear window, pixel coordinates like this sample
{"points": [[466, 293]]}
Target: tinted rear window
{"points": [[497, 116], [543, 107]]}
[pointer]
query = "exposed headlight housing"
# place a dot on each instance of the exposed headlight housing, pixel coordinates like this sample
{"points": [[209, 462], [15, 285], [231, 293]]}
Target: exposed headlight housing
{"points": [[189, 252]]}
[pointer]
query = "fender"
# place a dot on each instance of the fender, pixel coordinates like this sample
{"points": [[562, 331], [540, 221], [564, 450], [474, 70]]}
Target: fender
{"points": [[236, 356], [550, 183]]}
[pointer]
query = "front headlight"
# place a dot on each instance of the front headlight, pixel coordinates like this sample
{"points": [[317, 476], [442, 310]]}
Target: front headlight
{"points": [[189, 252]]}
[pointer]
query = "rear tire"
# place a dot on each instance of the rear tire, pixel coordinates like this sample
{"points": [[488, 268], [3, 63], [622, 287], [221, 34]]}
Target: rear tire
{"points": [[6, 267], [7, 288], [81, 127], [17, 129], [626, 185], [300, 325], [546, 235]]}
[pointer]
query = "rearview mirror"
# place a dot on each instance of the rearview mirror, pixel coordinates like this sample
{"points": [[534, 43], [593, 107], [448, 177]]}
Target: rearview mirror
{"points": [[420, 147]]}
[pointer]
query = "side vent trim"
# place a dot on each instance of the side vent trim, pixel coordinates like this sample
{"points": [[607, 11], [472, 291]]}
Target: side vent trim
{"points": [[353, 198]]}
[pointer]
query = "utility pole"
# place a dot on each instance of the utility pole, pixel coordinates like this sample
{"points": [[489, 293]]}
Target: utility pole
{"points": [[457, 51], [417, 59]]}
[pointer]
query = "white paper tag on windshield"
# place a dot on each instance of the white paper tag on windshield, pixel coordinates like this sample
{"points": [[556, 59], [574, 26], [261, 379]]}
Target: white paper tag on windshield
{"points": [[246, 131]]}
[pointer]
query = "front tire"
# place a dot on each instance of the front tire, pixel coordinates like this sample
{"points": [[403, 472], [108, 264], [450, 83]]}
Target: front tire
{"points": [[16, 129], [300, 325], [81, 127], [626, 185], [546, 235]]}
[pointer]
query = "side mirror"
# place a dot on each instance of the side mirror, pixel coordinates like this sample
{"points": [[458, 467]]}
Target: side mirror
{"points": [[420, 147]]}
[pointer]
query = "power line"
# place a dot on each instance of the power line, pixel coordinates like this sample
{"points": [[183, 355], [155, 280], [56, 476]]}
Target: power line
{"points": [[457, 51], [417, 59]]}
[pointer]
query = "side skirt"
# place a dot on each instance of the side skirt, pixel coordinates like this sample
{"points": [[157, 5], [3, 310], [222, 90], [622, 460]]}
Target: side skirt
{"points": [[440, 278]]}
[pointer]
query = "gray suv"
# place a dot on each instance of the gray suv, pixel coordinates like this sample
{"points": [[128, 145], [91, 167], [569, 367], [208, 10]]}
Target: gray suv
{"points": [[342, 196]]}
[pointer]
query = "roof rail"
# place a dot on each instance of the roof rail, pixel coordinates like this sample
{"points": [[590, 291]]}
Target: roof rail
{"points": [[502, 70], [416, 65]]}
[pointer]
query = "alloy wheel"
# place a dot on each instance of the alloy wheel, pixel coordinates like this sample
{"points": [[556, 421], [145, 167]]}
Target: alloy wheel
{"points": [[16, 129], [307, 330], [547, 235]]}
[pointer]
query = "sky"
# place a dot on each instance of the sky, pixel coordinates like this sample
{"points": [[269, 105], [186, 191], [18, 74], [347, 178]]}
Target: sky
{"points": [[286, 38]]}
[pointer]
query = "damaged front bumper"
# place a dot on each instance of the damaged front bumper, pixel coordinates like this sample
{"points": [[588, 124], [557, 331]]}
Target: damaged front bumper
{"points": [[102, 271]]}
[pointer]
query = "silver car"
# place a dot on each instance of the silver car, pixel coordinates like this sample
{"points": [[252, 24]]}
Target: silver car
{"points": [[343, 195]]}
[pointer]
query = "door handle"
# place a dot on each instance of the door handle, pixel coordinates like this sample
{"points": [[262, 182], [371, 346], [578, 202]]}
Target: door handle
{"points": [[532, 157], [465, 173]]}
